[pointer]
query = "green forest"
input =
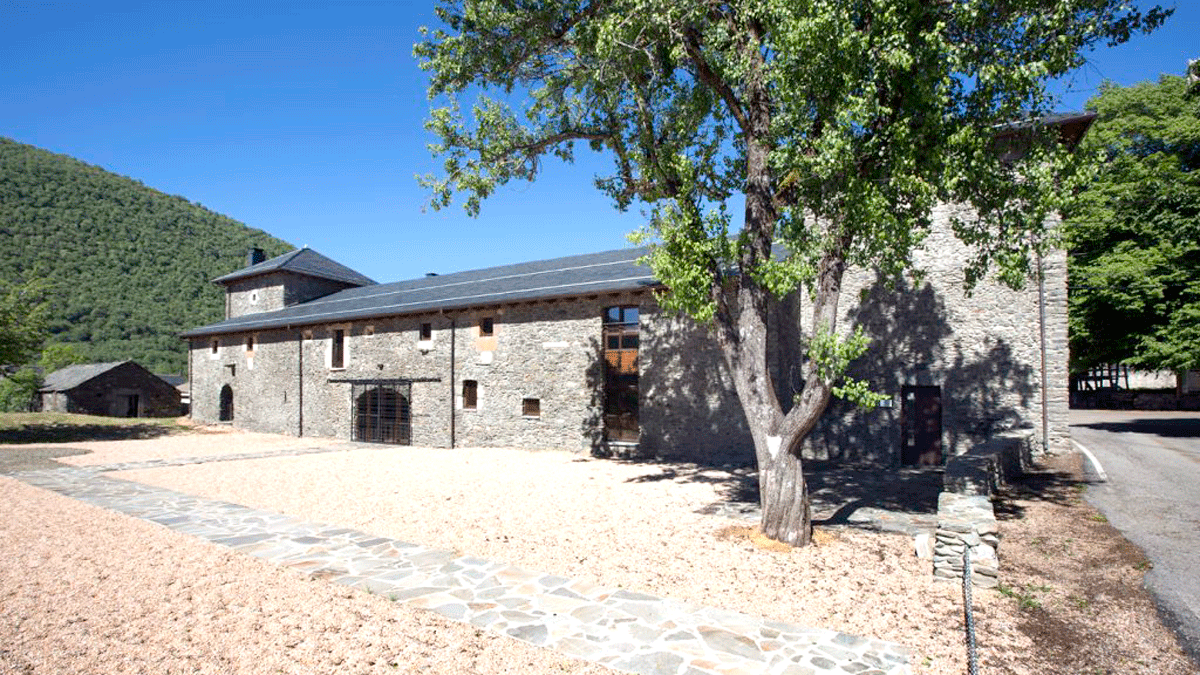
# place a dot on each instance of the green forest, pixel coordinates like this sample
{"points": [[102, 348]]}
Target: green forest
{"points": [[125, 267]]}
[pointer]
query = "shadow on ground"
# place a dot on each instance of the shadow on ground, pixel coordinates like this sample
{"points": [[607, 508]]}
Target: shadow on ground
{"points": [[1182, 427], [1057, 480], [31, 458], [836, 491], [76, 433]]}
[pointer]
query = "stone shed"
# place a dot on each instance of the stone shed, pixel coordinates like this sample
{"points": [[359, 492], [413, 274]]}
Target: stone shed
{"points": [[114, 389]]}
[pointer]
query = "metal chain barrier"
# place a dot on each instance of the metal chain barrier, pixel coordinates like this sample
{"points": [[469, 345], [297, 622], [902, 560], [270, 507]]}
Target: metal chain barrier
{"points": [[972, 657]]}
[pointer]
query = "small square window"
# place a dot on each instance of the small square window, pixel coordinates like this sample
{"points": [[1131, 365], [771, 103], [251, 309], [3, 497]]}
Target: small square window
{"points": [[216, 346], [470, 393], [369, 331], [486, 326], [426, 331], [531, 407]]}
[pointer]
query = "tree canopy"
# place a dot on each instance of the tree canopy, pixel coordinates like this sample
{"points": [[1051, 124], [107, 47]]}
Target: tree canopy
{"points": [[1135, 233], [22, 321], [835, 126], [126, 267]]}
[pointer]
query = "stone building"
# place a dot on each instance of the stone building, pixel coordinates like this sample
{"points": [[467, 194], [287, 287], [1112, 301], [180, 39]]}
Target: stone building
{"points": [[116, 389], [576, 353]]}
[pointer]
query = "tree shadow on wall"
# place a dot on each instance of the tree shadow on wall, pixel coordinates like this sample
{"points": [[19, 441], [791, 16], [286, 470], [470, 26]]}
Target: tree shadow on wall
{"points": [[688, 412], [984, 390]]}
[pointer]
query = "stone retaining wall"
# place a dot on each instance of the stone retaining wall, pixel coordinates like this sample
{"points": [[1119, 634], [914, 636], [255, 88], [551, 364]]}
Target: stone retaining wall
{"points": [[967, 522], [966, 519], [988, 465]]}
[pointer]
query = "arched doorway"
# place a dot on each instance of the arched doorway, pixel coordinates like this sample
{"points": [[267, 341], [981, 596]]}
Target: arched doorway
{"points": [[382, 414], [226, 414]]}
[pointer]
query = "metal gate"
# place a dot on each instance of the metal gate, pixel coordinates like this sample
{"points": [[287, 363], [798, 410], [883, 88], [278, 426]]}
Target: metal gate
{"points": [[382, 412]]}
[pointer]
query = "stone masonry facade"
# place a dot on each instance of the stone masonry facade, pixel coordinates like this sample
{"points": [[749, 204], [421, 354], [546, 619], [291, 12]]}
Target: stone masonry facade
{"points": [[283, 380], [982, 352]]}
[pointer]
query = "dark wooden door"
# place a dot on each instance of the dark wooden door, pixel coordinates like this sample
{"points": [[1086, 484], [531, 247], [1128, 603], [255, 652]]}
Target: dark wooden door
{"points": [[226, 404], [921, 413]]}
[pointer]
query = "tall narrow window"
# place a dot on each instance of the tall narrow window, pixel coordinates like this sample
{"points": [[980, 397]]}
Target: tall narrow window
{"points": [[338, 355], [486, 326], [249, 343], [621, 338], [470, 394], [215, 345], [426, 331]]}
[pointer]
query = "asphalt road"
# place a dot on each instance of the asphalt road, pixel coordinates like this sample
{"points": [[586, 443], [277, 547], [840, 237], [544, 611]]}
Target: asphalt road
{"points": [[1152, 496]]}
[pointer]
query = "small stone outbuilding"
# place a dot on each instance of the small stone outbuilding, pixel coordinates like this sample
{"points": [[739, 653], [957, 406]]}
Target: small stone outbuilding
{"points": [[114, 389]]}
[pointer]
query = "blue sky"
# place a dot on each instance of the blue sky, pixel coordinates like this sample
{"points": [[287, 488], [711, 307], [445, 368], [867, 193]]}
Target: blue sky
{"points": [[305, 120]]}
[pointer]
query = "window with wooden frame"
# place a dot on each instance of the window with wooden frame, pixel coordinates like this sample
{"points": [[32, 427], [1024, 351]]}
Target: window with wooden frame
{"points": [[470, 395], [337, 355], [531, 407]]}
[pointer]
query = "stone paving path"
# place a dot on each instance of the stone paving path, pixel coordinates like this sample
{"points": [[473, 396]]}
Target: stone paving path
{"points": [[623, 630]]}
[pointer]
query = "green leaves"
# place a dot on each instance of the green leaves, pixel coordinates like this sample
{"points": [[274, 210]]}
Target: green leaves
{"points": [[777, 143], [1134, 234], [22, 321], [126, 268]]}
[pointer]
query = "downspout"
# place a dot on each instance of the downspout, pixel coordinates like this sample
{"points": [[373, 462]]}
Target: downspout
{"points": [[191, 401], [453, 340], [1042, 338], [300, 383]]}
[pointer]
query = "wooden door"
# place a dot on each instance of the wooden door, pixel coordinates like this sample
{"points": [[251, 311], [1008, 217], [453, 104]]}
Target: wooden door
{"points": [[921, 415]]}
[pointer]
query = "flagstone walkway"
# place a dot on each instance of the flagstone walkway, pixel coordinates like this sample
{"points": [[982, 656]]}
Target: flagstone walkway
{"points": [[623, 630]]}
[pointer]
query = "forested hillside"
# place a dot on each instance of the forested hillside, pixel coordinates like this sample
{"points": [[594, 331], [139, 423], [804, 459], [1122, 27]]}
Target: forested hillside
{"points": [[127, 267]]}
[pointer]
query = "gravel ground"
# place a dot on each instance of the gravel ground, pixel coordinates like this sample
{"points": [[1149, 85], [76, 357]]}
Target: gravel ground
{"points": [[630, 525], [84, 590], [627, 525]]}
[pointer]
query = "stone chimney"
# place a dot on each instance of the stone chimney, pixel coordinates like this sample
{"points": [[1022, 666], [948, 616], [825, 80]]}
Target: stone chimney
{"points": [[255, 256]]}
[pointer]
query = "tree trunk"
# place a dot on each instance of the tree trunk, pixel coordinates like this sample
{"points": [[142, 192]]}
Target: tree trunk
{"points": [[783, 494]]}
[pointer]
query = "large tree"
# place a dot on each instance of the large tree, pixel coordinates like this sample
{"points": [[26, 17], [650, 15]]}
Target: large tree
{"points": [[834, 127], [1135, 232]]}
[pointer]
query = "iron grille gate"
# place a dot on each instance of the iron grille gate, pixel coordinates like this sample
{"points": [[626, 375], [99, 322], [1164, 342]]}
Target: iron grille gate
{"points": [[382, 412]]}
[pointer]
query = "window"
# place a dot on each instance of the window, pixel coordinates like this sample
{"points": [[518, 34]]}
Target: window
{"points": [[531, 407], [338, 354], [249, 343], [470, 394], [426, 331], [215, 346], [486, 326], [369, 331]]}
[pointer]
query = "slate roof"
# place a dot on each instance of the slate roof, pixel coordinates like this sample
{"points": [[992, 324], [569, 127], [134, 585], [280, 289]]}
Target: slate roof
{"points": [[173, 380], [68, 378], [605, 272], [301, 261]]}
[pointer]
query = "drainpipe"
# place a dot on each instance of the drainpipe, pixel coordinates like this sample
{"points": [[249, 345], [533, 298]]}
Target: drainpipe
{"points": [[300, 382], [1042, 338], [453, 339], [191, 385]]}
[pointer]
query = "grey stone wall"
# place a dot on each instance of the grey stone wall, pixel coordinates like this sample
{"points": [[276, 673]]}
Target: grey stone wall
{"points": [[275, 290], [262, 293], [982, 349], [547, 350], [107, 395]]}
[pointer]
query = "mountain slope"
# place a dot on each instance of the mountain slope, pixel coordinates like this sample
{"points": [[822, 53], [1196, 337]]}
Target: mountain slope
{"points": [[128, 266]]}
